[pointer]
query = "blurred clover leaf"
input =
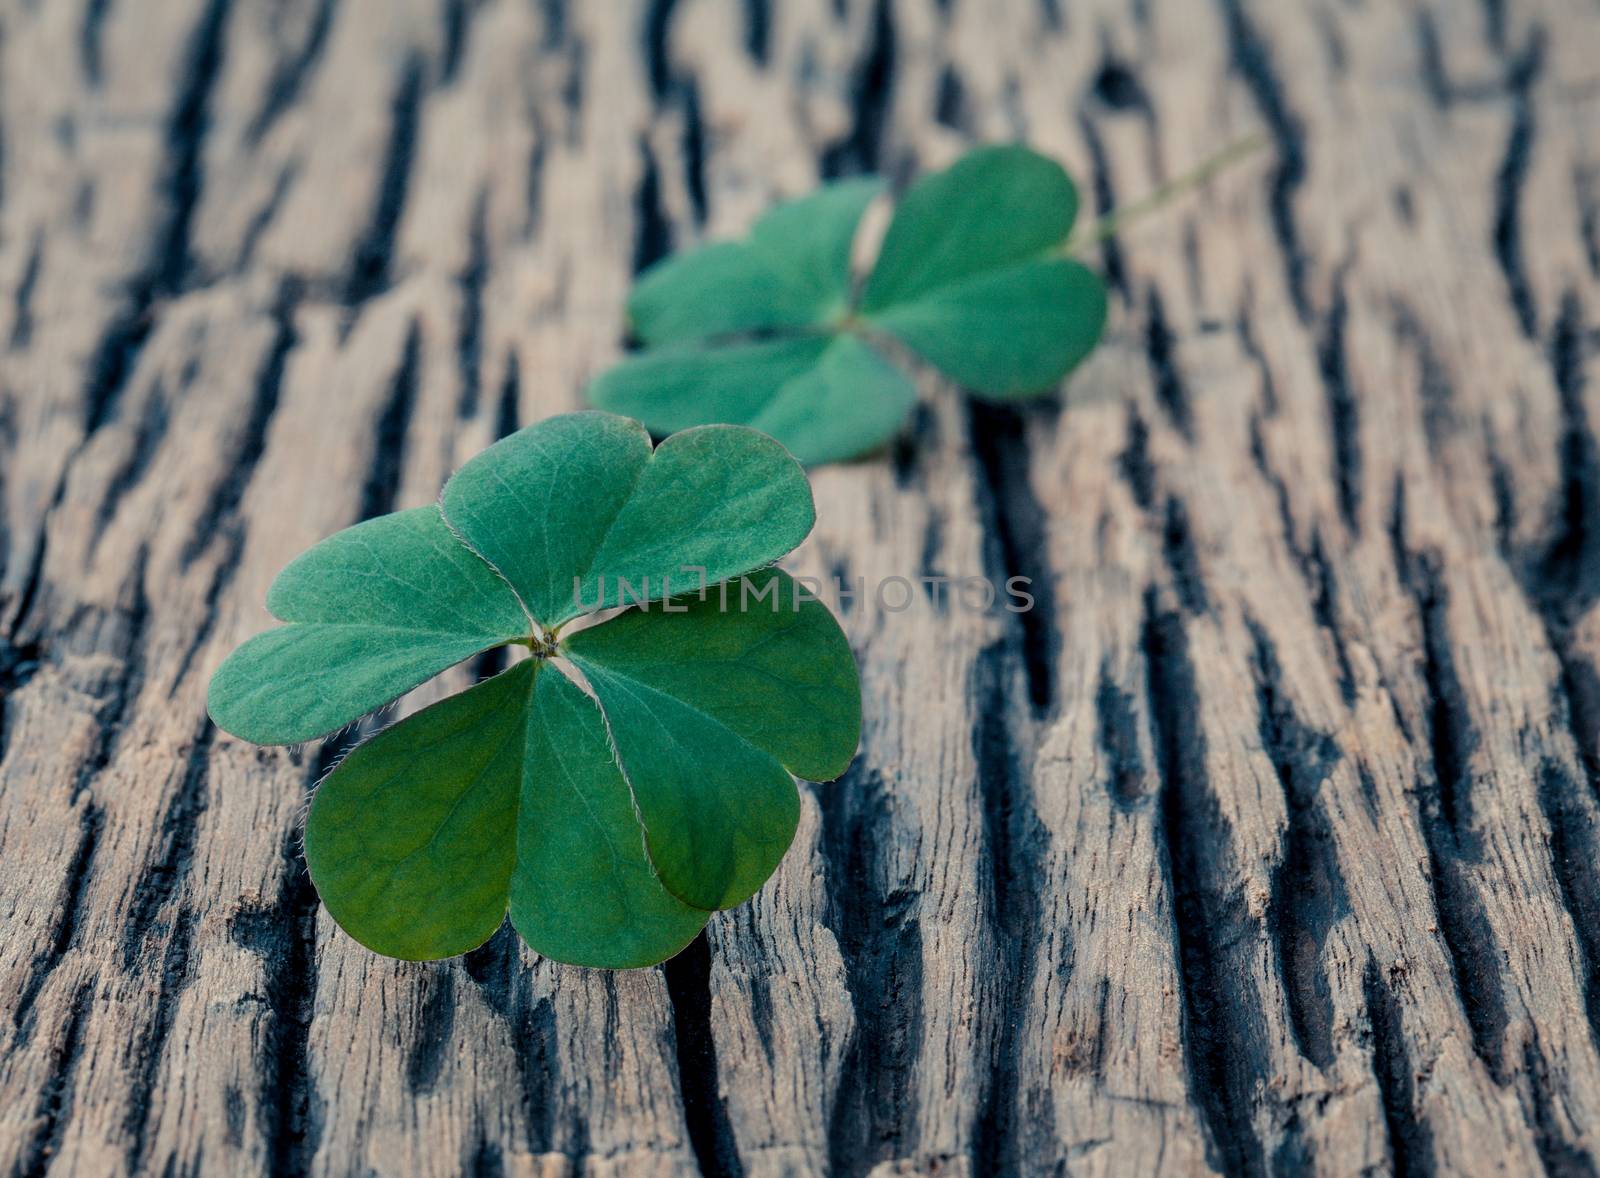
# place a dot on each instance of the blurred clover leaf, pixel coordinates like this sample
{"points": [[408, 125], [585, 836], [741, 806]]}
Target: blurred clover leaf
{"points": [[769, 332], [622, 783]]}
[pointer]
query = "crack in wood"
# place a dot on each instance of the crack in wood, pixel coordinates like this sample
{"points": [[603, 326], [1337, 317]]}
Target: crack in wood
{"points": [[1015, 543], [879, 931], [1016, 844], [289, 1106], [69, 910], [161, 883], [382, 488], [1222, 1054], [758, 30], [1308, 889], [434, 1027], [1105, 200], [1563, 582], [373, 254], [1522, 75], [1411, 1149], [1164, 377], [1117, 729], [457, 15], [22, 301], [174, 978], [860, 149], [469, 323], [1344, 413], [291, 71], [1316, 570], [693, 149], [1445, 806], [1182, 560], [55, 1104], [497, 970], [688, 977], [89, 40], [653, 237], [264, 402], [1252, 60]]}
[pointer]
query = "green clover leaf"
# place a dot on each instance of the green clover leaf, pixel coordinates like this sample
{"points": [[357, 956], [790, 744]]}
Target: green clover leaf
{"points": [[765, 333], [794, 272], [608, 816]]}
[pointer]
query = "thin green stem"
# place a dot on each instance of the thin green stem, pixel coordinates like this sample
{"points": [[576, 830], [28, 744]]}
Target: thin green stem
{"points": [[1115, 220]]}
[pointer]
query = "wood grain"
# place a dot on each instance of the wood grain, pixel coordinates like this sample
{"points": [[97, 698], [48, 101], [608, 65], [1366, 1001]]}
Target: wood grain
{"points": [[1265, 843]]}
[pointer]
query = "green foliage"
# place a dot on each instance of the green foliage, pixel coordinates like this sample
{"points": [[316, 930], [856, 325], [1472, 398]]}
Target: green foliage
{"points": [[609, 822], [971, 277]]}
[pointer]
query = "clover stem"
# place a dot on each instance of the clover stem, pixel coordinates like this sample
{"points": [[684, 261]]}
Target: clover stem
{"points": [[1117, 219]]}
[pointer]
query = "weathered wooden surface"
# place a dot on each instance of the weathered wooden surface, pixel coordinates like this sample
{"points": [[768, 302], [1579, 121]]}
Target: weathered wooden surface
{"points": [[1267, 842]]}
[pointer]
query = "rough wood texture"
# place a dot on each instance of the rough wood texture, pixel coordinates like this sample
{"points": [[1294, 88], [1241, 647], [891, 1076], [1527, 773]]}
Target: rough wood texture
{"points": [[1267, 842]]}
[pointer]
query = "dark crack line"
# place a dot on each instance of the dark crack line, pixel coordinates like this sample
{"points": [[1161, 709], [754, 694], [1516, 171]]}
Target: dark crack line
{"points": [[860, 150], [1105, 199], [115, 699], [1574, 843], [22, 306], [694, 149], [264, 216], [1586, 192], [167, 270], [458, 16], [950, 105], [284, 936], [268, 393], [54, 1107], [1344, 413], [161, 883], [496, 969], [1252, 61], [1016, 844], [657, 29], [69, 911], [1562, 581], [434, 1028], [1168, 384], [382, 487], [18, 665], [1511, 179], [1225, 1060], [653, 235], [879, 931], [374, 253], [1182, 559], [90, 58], [1410, 1136], [1134, 462], [1308, 889], [688, 977], [291, 73], [1117, 730], [1016, 547], [186, 135], [469, 326], [148, 434], [1560, 1157], [1445, 810], [1316, 570], [175, 978], [506, 414]]}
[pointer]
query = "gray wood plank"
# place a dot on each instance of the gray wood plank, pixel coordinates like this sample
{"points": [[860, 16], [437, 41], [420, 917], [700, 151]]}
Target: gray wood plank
{"points": [[1265, 842]]}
